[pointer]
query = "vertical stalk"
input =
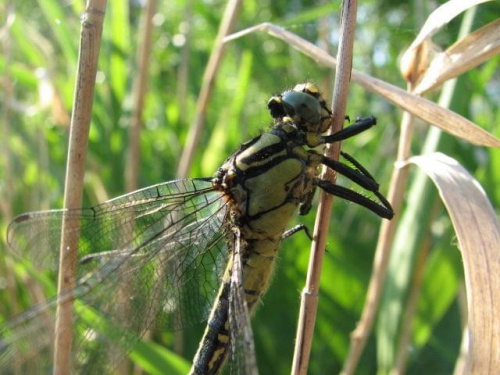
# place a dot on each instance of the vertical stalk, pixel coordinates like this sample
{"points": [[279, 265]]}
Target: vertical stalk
{"points": [[226, 27], [139, 90], [90, 39], [132, 171], [309, 300]]}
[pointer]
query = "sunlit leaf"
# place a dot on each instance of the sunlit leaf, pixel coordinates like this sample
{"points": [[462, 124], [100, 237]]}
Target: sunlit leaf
{"points": [[478, 231]]}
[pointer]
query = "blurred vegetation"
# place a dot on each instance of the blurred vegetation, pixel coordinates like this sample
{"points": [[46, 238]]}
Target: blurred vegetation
{"points": [[37, 70]]}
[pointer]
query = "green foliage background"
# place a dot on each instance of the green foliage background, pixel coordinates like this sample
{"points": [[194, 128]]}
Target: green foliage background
{"points": [[41, 48]]}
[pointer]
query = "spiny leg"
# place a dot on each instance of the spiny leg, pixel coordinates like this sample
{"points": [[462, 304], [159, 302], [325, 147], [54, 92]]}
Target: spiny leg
{"points": [[359, 174], [365, 172], [357, 164], [384, 210], [359, 126], [290, 232], [354, 175]]}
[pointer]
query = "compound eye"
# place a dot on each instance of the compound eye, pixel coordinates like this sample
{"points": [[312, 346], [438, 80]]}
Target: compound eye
{"points": [[275, 106], [303, 107]]}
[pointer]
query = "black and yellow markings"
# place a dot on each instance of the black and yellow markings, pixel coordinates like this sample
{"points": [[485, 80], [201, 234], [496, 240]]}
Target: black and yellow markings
{"points": [[265, 182], [270, 146], [214, 345], [220, 350]]}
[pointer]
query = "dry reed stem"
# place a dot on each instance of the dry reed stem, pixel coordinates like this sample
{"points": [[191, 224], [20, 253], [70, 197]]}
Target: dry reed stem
{"points": [[80, 122], [464, 55], [385, 240], [387, 233], [182, 93], [139, 91], [309, 296], [227, 25], [134, 151]]}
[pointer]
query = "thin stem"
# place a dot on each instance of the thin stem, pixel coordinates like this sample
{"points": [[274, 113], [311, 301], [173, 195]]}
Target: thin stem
{"points": [[227, 25], [309, 301], [140, 86], [90, 39]]}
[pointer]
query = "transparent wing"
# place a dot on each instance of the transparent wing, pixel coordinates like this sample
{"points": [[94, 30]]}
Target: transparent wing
{"points": [[154, 254], [242, 359]]}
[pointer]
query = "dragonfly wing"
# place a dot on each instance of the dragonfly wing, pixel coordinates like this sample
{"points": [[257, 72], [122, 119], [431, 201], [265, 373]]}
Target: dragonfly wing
{"points": [[107, 226], [157, 253], [242, 356]]}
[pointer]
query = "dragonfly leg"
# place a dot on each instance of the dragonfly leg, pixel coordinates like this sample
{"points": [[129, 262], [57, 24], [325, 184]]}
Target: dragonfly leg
{"points": [[290, 232], [359, 126], [354, 175], [383, 210], [357, 164]]}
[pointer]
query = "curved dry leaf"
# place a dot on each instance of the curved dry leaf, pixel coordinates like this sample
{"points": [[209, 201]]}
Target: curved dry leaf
{"points": [[436, 20], [461, 57], [427, 110], [478, 232], [441, 16], [415, 61]]}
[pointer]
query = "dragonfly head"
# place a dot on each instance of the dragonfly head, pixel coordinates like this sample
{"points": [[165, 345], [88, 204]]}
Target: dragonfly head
{"points": [[304, 106]]}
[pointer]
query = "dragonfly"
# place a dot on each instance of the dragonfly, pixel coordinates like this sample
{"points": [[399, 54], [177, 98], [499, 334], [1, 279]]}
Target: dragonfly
{"points": [[178, 252]]}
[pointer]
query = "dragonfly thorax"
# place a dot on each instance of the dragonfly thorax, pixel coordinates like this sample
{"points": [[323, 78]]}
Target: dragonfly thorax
{"points": [[267, 179]]}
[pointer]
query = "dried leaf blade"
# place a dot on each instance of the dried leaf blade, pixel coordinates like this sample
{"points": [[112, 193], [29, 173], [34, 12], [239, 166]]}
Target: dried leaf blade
{"points": [[461, 57], [478, 232], [437, 19]]}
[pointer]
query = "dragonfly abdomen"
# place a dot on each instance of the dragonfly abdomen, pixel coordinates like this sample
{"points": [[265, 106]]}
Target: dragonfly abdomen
{"points": [[212, 352], [258, 265]]}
